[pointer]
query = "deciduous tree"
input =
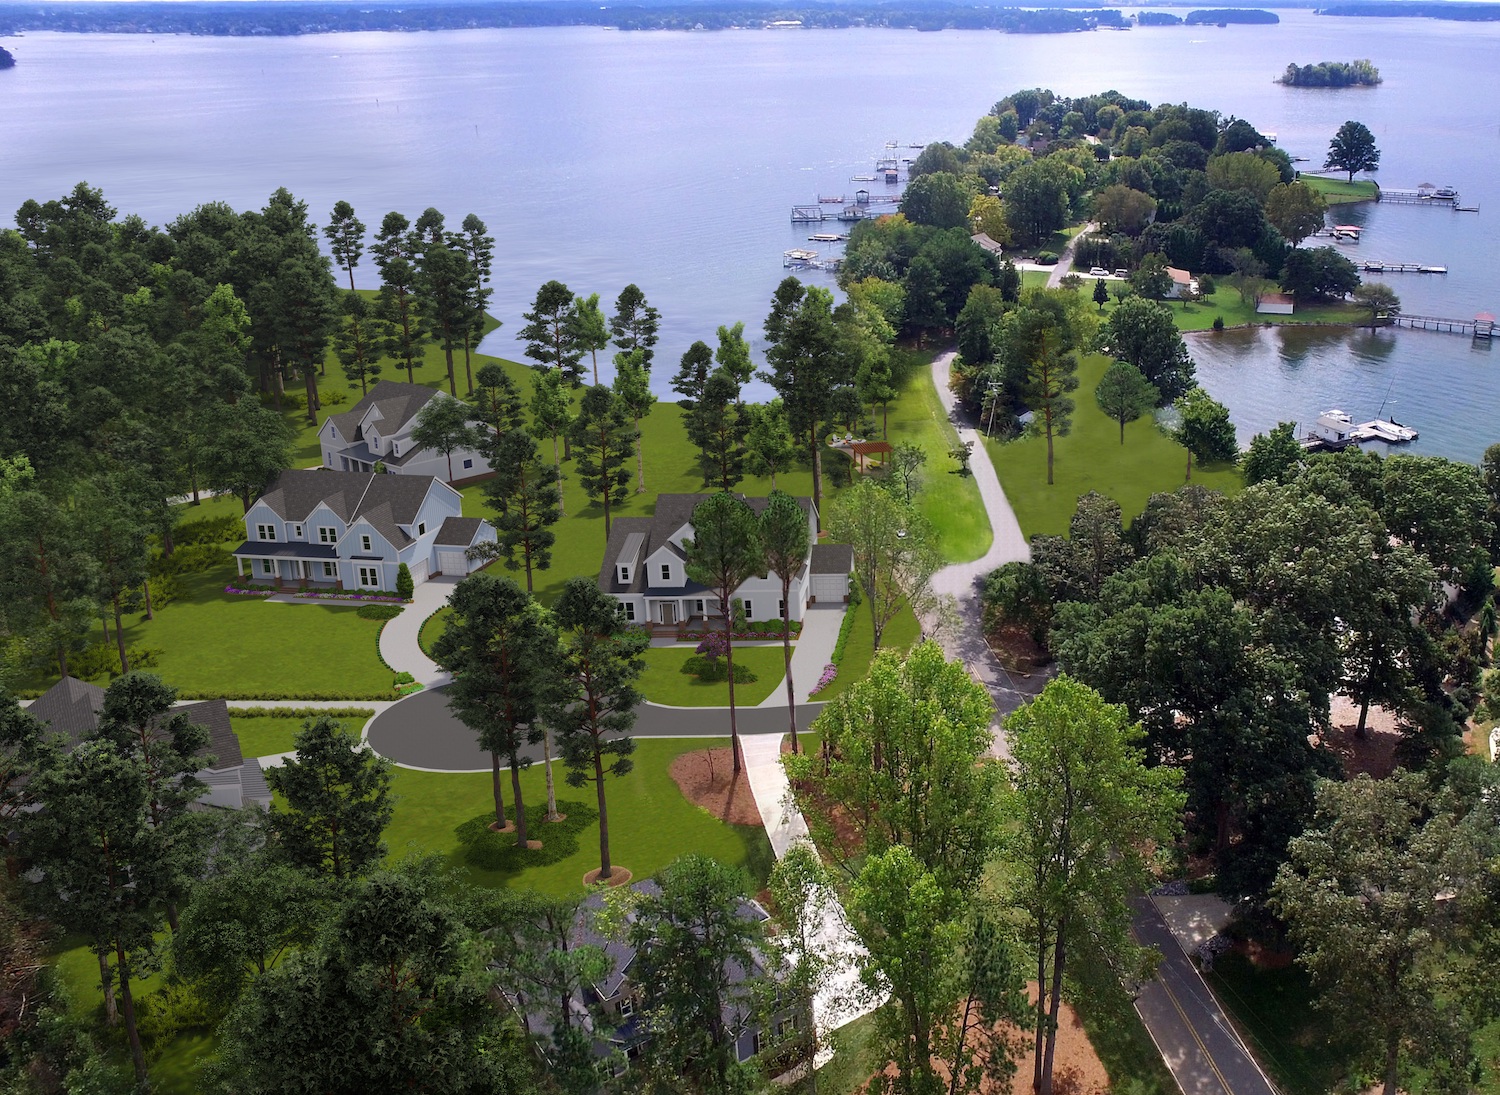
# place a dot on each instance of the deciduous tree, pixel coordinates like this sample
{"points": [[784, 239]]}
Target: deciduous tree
{"points": [[1379, 299], [1295, 210], [1204, 430], [1142, 333], [770, 447], [552, 414], [1353, 149], [786, 541], [894, 550], [1125, 394], [443, 425], [633, 388], [587, 328]]}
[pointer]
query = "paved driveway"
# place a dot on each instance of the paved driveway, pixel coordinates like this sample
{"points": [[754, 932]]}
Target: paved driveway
{"points": [[420, 731]]}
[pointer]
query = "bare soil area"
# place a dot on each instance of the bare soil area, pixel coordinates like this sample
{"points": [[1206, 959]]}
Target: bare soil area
{"points": [[704, 777], [1374, 754]]}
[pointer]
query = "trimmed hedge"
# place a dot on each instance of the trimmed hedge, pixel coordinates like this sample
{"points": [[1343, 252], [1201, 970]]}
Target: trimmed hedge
{"points": [[244, 695], [302, 712], [492, 851], [845, 629], [714, 669]]}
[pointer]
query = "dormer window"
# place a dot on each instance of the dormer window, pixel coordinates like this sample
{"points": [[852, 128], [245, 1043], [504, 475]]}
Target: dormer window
{"points": [[422, 528], [624, 575], [666, 572], [395, 448], [296, 532], [327, 534]]}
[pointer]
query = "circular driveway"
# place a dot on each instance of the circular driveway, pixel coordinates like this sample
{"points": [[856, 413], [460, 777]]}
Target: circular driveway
{"points": [[421, 732]]}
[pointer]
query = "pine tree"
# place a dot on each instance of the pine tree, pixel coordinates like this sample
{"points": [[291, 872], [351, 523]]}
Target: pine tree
{"points": [[550, 338], [605, 441], [635, 324], [718, 424], [527, 501]]}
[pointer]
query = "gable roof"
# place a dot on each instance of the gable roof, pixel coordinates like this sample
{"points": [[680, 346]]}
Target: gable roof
{"points": [[397, 402], [385, 501], [458, 531], [832, 559], [72, 707], [672, 512]]}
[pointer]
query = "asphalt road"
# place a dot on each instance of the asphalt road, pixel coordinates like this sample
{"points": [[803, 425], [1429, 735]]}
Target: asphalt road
{"points": [[1192, 1032], [420, 731]]}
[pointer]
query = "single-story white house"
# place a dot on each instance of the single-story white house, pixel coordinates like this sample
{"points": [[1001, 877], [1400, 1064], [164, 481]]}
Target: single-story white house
{"points": [[1274, 304], [1183, 284], [353, 530], [644, 569], [377, 430]]}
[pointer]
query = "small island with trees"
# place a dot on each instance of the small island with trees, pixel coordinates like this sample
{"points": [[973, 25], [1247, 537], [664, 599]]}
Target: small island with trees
{"points": [[6, 58], [1331, 74]]}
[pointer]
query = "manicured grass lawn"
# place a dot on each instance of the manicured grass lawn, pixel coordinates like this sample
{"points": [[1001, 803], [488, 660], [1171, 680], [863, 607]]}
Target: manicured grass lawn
{"points": [[859, 650], [949, 501], [650, 823], [855, 1058], [1224, 303], [264, 736], [1092, 458], [1338, 191], [433, 628], [665, 682], [1274, 1008]]}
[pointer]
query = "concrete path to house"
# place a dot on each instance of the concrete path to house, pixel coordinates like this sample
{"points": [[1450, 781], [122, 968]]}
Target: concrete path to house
{"points": [[1191, 1031], [961, 581], [398, 638], [810, 653], [1064, 265]]}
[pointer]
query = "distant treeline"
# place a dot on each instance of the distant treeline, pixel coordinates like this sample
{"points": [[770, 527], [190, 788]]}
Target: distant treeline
{"points": [[1463, 12], [1158, 19], [1231, 15], [270, 18], [1331, 74]]}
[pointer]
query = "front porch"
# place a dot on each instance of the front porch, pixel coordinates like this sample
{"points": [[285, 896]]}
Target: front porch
{"points": [[304, 566]]}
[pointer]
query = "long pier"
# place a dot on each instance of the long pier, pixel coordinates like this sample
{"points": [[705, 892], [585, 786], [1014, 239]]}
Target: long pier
{"points": [[1414, 197], [1375, 266], [1481, 326]]}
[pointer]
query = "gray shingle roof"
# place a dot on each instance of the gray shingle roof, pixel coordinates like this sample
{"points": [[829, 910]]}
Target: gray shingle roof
{"points": [[72, 707], [458, 531], [397, 402], [832, 559], [282, 549], [672, 512], [386, 501]]}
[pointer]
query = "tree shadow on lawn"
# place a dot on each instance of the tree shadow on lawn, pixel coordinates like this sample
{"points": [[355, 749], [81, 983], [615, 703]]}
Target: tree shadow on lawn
{"points": [[484, 849]]}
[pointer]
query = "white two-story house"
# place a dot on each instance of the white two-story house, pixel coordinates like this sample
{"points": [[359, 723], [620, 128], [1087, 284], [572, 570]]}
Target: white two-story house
{"points": [[644, 568], [353, 530], [377, 430]]}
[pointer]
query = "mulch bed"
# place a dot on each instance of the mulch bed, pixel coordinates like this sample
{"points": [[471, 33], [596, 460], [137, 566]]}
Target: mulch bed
{"points": [[1374, 754], [704, 778], [618, 876]]}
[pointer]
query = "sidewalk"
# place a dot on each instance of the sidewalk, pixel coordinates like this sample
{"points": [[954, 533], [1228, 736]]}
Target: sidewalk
{"points": [[810, 653]]}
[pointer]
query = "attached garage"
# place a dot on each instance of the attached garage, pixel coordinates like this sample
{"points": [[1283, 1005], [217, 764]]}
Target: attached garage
{"points": [[452, 562], [418, 572], [828, 579]]}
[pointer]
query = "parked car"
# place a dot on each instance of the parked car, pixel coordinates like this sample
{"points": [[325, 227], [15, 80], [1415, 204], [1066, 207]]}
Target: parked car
{"points": [[1098, 272]]}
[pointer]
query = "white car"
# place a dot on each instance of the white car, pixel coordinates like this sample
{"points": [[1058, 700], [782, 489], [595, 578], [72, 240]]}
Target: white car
{"points": [[1098, 272]]}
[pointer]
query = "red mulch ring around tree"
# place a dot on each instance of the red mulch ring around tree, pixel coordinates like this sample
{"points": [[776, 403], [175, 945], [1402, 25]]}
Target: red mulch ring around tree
{"points": [[618, 877], [510, 827], [704, 778]]}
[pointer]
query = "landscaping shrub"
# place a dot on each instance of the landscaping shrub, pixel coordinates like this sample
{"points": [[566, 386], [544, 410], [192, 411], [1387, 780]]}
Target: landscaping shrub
{"points": [[173, 1008], [103, 659], [360, 713], [491, 851], [164, 590], [335, 397], [1046, 258], [378, 612], [207, 530], [846, 627], [1218, 323], [254, 694], [828, 676], [711, 670], [404, 584]]}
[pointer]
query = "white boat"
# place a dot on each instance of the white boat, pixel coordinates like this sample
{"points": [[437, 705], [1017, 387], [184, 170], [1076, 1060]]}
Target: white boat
{"points": [[1384, 429]]}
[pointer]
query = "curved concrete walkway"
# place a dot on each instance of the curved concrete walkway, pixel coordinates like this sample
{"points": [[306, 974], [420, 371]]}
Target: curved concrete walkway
{"points": [[399, 644], [961, 580]]}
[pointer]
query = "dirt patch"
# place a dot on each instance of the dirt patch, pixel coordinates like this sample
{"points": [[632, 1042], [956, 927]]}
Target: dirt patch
{"points": [[704, 778], [508, 827], [1076, 1068], [618, 877], [1017, 651], [1375, 753], [1264, 957]]}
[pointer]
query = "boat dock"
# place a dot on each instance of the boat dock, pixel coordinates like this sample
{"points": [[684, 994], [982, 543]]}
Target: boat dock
{"points": [[1481, 327], [800, 258], [1378, 267], [1336, 430], [1418, 195]]}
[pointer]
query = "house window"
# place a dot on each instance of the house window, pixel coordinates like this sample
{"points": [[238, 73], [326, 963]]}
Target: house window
{"points": [[296, 532], [395, 448], [749, 614], [754, 1043], [698, 606], [624, 575], [422, 528], [364, 543], [627, 1007], [780, 608], [666, 572], [327, 535], [630, 611], [267, 566], [330, 570], [468, 463], [265, 532], [369, 576]]}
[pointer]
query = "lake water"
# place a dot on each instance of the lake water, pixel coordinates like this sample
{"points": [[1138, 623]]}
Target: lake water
{"points": [[672, 159]]}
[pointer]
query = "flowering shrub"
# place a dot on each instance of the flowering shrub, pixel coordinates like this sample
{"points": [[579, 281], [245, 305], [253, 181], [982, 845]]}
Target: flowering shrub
{"points": [[249, 592], [382, 598], [713, 647], [830, 672]]}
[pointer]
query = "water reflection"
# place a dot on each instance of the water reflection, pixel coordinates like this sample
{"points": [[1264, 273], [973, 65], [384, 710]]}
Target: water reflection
{"points": [[1445, 386]]}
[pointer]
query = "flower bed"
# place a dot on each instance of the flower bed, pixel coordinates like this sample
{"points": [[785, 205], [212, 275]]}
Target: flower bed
{"points": [[249, 592], [739, 636], [317, 595], [830, 672]]}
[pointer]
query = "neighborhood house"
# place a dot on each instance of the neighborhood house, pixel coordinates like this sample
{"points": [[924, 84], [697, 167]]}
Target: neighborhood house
{"points": [[644, 568], [353, 530], [378, 428], [72, 707]]}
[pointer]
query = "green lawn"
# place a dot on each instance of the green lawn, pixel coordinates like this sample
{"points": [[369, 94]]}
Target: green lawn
{"points": [[267, 735], [859, 650], [650, 823], [1091, 457], [1337, 191], [665, 682], [433, 628]]}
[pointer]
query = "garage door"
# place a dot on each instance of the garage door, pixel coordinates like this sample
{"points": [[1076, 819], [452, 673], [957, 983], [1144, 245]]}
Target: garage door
{"points": [[829, 588], [419, 572], [453, 563]]}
